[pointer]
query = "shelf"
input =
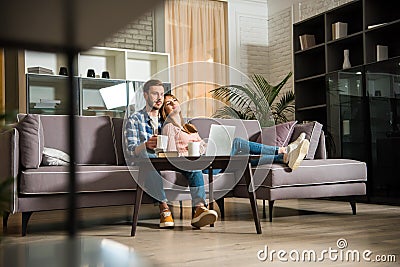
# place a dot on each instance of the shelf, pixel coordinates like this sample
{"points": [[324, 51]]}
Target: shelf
{"points": [[336, 49], [310, 48], [127, 68], [384, 35], [314, 26], [381, 26], [301, 69], [390, 65], [357, 68], [311, 107], [315, 77], [350, 13], [378, 12], [345, 38]]}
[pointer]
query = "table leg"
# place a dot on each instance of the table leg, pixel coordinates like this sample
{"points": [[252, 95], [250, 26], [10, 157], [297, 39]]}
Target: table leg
{"points": [[252, 197], [138, 202], [211, 189]]}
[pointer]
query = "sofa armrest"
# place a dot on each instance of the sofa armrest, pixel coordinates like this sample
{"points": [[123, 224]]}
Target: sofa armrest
{"points": [[320, 153], [9, 163]]}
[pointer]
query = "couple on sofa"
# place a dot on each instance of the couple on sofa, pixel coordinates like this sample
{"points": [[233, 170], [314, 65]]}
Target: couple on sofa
{"points": [[162, 114]]}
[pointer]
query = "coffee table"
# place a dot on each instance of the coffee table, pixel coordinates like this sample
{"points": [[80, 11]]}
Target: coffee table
{"points": [[229, 163]]}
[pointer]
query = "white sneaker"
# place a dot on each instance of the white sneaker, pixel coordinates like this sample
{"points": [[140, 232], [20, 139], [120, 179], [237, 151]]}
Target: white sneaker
{"points": [[292, 146], [296, 156]]}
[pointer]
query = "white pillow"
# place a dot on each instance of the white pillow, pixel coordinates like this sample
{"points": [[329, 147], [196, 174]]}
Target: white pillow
{"points": [[54, 157]]}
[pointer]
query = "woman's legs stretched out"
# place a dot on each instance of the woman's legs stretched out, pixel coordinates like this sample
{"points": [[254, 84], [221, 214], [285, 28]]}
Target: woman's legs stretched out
{"points": [[269, 154]]}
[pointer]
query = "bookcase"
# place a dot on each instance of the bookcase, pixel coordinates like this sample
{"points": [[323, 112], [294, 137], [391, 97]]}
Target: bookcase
{"points": [[128, 69], [359, 106]]}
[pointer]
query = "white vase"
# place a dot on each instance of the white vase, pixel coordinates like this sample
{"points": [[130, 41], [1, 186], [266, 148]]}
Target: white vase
{"points": [[346, 61]]}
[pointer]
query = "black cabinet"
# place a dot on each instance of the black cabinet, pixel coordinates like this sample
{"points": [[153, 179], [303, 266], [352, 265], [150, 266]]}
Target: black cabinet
{"points": [[347, 114], [358, 105]]}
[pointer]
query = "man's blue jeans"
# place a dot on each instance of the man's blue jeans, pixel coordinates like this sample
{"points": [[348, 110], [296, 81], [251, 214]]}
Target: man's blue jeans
{"points": [[154, 184], [269, 154]]}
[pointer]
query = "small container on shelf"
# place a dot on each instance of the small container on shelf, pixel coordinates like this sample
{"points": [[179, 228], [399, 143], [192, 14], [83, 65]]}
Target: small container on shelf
{"points": [[339, 30], [307, 41], [381, 52]]}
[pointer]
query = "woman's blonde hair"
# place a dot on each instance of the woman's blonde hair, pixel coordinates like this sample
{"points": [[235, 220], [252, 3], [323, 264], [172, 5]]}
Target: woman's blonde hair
{"points": [[187, 127]]}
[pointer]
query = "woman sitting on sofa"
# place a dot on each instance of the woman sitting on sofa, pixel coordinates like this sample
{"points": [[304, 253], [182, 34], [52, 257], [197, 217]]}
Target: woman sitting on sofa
{"points": [[180, 134]]}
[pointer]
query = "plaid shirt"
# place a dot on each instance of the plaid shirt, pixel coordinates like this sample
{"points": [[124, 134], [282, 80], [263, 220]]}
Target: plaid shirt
{"points": [[138, 129]]}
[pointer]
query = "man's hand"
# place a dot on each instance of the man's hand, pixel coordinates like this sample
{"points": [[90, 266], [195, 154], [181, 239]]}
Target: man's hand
{"points": [[152, 142]]}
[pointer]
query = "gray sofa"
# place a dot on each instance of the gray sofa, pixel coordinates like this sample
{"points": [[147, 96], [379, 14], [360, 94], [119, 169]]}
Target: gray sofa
{"points": [[104, 180], [317, 176]]}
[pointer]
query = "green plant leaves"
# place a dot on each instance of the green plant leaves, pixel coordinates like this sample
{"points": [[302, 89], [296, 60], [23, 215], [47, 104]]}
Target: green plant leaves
{"points": [[255, 101]]}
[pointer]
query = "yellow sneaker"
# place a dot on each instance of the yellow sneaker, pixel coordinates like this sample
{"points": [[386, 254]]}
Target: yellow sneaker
{"points": [[166, 220], [203, 217]]}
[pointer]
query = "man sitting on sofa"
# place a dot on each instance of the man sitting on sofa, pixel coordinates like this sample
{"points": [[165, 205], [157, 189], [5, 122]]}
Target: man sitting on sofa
{"points": [[141, 132]]}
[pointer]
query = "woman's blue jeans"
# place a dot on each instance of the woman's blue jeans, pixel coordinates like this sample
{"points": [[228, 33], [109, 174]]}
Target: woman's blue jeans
{"points": [[154, 185], [269, 154]]}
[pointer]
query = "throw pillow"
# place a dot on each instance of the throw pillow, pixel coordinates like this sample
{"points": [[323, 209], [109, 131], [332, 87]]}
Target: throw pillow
{"points": [[54, 157], [313, 132], [31, 140], [277, 135]]}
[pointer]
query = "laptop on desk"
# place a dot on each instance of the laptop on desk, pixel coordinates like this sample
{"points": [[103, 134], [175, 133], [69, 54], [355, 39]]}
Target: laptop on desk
{"points": [[220, 140]]}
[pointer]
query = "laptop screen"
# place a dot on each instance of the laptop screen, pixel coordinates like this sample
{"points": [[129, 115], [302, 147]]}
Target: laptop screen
{"points": [[220, 140]]}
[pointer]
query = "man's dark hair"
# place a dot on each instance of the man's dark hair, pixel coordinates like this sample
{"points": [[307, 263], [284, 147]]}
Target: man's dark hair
{"points": [[149, 83]]}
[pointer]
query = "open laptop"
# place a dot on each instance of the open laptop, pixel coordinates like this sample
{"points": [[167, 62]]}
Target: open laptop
{"points": [[220, 140]]}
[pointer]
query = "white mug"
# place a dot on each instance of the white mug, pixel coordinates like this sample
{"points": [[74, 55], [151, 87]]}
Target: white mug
{"points": [[194, 149], [162, 142]]}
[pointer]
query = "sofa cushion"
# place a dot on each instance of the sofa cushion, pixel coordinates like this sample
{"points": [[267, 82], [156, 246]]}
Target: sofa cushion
{"points": [[310, 172], [313, 132], [55, 179], [94, 137], [54, 157], [31, 140], [277, 135]]}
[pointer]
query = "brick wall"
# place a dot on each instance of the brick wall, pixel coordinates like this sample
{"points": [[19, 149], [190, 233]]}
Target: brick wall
{"points": [[137, 35], [313, 7], [280, 48], [252, 44]]}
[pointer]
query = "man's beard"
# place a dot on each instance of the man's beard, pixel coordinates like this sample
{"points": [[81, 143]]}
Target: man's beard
{"points": [[152, 104]]}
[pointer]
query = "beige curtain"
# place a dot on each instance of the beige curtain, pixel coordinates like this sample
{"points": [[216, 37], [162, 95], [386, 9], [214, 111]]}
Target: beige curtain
{"points": [[196, 38]]}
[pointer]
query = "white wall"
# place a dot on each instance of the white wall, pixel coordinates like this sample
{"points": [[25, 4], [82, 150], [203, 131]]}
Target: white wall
{"points": [[248, 37], [259, 44], [260, 35]]}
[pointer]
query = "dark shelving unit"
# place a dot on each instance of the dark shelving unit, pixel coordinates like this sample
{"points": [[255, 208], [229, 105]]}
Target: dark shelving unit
{"points": [[359, 106]]}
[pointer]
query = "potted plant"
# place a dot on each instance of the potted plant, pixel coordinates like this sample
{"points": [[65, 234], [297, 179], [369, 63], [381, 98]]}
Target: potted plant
{"points": [[259, 100]]}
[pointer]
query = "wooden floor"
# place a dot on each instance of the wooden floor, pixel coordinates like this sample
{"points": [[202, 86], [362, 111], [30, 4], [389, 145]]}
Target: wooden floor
{"points": [[298, 225]]}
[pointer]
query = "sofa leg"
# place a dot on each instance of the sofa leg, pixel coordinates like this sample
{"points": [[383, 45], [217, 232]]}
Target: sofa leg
{"points": [[5, 221], [25, 219], [271, 207], [221, 205], [353, 206], [264, 211]]}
